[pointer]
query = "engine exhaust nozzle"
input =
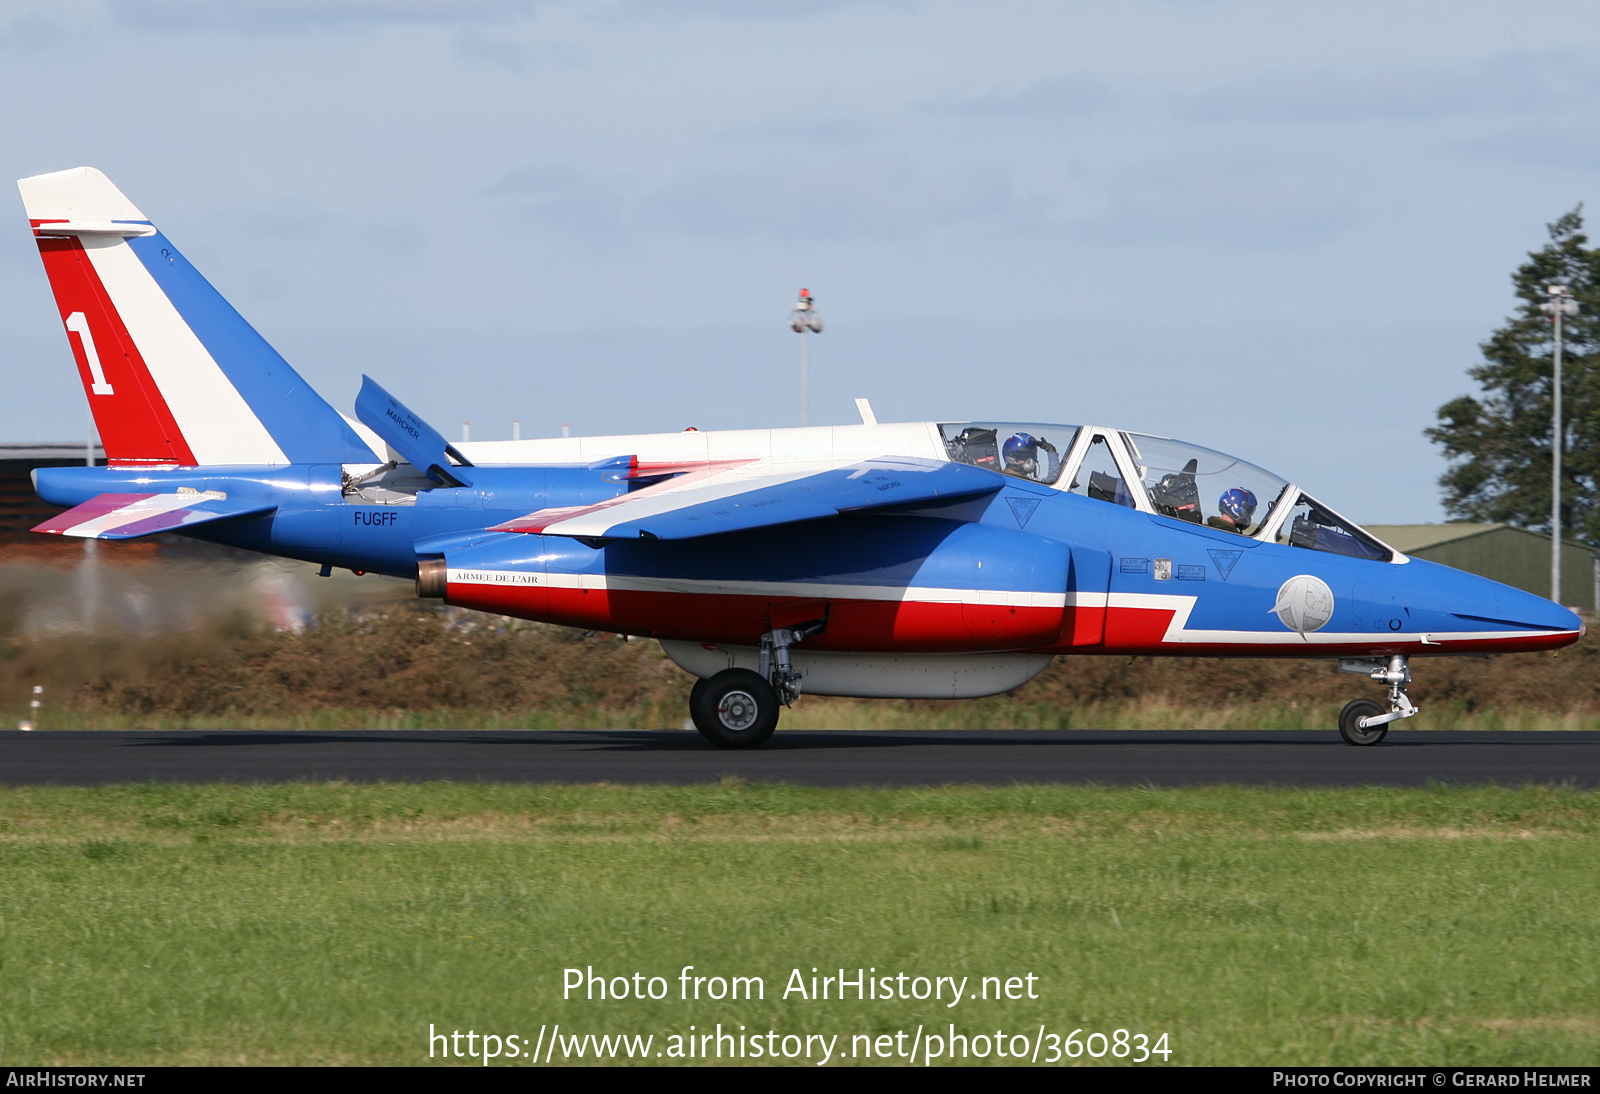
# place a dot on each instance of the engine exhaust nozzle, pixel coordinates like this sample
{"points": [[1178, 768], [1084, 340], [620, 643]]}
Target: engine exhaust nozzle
{"points": [[432, 578]]}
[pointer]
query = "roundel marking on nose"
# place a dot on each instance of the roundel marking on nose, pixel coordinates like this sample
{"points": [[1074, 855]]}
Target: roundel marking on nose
{"points": [[1305, 603]]}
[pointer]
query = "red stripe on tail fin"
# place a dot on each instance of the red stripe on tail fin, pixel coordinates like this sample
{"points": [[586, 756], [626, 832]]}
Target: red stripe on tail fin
{"points": [[135, 425]]}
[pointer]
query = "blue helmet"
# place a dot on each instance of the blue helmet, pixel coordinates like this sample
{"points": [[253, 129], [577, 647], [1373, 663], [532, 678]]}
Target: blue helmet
{"points": [[1239, 505], [1020, 446]]}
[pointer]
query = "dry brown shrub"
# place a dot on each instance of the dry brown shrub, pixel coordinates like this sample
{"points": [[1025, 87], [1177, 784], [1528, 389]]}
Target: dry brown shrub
{"points": [[420, 657], [403, 657]]}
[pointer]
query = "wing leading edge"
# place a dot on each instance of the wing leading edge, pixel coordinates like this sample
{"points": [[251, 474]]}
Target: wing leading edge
{"points": [[719, 499]]}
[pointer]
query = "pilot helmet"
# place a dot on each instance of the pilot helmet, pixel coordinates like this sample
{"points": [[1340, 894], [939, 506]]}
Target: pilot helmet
{"points": [[1020, 448], [1239, 505]]}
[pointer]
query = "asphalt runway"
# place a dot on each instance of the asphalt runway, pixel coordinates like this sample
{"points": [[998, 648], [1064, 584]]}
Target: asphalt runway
{"points": [[903, 758]]}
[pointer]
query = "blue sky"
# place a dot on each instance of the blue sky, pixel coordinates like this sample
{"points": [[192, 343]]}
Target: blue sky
{"points": [[1277, 229]]}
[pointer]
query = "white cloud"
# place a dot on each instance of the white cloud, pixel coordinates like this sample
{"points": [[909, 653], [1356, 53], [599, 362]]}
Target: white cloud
{"points": [[833, 132], [1245, 196], [798, 199], [293, 220], [299, 15], [1568, 142], [1065, 97], [545, 183], [33, 31], [290, 16], [748, 9], [1517, 83], [473, 44]]}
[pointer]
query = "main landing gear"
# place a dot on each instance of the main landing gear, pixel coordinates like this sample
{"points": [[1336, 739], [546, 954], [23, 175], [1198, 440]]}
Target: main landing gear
{"points": [[738, 708], [1364, 721]]}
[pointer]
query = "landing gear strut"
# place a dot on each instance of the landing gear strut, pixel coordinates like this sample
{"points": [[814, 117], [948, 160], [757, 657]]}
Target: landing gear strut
{"points": [[737, 708], [1363, 721]]}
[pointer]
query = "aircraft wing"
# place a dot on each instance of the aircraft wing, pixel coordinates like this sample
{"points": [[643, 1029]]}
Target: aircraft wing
{"points": [[719, 498], [129, 516]]}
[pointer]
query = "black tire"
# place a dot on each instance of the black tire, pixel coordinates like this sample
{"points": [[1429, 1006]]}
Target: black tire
{"points": [[694, 694], [1350, 722], [735, 709]]}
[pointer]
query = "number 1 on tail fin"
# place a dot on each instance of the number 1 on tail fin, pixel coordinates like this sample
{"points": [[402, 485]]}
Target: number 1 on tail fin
{"points": [[78, 324]]}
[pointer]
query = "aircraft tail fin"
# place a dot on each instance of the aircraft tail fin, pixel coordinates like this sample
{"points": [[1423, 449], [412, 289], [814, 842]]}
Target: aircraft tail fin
{"points": [[174, 375]]}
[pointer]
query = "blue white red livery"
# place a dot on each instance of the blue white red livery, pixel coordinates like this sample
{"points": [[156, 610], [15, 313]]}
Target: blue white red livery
{"points": [[921, 559]]}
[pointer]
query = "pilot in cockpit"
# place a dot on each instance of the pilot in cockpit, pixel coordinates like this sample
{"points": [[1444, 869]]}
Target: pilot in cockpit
{"points": [[1021, 452], [1236, 509]]}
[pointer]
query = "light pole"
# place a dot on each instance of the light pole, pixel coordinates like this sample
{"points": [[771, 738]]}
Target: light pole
{"points": [[1559, 306], [805, 321]]}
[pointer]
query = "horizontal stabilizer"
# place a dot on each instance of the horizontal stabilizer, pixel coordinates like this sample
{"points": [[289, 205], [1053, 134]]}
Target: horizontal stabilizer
{"points": [[423, 446], [129, 516], [761, 493], [123, 228]]}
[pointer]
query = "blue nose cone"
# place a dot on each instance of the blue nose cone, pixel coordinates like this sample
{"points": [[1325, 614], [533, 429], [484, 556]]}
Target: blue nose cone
{"points": [[1452, 602]]}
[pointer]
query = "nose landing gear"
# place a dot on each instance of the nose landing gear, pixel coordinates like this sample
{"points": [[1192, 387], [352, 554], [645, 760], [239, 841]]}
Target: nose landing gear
{"points": [[1363, 721]]}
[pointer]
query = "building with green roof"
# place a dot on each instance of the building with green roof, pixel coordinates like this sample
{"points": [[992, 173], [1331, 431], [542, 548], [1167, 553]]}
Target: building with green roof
{"points": [[1514, 556]]}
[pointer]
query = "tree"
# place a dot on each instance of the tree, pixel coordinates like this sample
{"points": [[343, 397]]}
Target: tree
{"points": [[1499, 445]]}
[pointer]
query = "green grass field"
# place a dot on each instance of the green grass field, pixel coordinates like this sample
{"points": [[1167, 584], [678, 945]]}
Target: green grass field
{"points": [[326, 923]]}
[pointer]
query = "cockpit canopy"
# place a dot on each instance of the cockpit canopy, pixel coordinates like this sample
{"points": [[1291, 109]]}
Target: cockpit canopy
{"points": [[1159, 475], [1203, 486], [1028, 451]]}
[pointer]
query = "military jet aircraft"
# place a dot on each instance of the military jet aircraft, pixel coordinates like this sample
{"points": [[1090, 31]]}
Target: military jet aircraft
{"points": [[909, 560]]}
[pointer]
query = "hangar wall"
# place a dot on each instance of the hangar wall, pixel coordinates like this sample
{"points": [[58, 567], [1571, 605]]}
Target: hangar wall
{"points": [[20, 507], [1514, 556]]}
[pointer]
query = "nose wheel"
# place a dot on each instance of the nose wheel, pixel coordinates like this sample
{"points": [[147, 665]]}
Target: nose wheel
{"points": [[1365, 721], [1354, 719]]}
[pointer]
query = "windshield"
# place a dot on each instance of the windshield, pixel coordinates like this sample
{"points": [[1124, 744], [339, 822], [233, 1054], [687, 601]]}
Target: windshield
{"points": [[1203, 486], [1028, 450]]}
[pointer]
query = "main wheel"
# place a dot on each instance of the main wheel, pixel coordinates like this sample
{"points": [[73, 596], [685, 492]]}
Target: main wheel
{"points": [[1350, 722], [735, 709]]}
